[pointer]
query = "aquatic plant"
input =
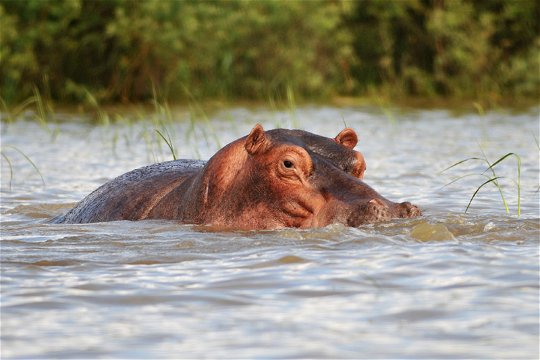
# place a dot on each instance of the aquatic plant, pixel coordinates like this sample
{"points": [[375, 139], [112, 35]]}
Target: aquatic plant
{"points": [[491, 179], [162, 121], [42, 108], [10, 165], [538, 146], [45, 109], [101, 116], [168, 141], [10, 114], [159, 126]]}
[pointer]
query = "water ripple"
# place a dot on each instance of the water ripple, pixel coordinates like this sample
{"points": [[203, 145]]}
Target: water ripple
{"points": [[446, 285]]}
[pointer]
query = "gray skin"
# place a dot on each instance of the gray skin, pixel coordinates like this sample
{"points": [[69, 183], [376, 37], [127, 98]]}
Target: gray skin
{"points": [[266, 180]]}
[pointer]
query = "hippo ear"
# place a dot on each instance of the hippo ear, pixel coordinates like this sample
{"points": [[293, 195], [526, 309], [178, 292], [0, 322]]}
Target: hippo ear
{"points": [[256, 140], [347, 137]]}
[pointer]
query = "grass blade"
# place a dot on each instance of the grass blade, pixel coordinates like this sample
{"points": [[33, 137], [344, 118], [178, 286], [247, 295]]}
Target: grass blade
{"points": [[27, 159], [490, 167], [478, 189], [501, 159], [518, 160], [168, 142], [461, 162], [462, 177], [10, 168], [13, 113]]}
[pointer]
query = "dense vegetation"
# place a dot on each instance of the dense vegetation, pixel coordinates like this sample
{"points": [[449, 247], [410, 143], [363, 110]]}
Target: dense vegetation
{"points": [[130, 50]]}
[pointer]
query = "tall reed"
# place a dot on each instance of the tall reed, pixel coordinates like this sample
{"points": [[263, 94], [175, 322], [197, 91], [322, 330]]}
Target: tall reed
{"points": [[492, 178], [10, 164]]}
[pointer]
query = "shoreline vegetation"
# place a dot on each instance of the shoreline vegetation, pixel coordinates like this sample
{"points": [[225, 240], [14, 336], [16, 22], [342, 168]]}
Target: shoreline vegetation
{"points": [[85, 55], [48, 111]]}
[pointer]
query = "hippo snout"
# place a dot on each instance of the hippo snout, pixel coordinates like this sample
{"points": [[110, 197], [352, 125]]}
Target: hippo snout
{"points": [[408, 210], [377, 210]]}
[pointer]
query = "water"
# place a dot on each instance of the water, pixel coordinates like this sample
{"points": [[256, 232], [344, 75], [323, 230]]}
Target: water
{"points": [[447, 285]]}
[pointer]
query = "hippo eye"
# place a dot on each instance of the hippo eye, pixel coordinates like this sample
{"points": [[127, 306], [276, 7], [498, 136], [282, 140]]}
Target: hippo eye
{"points": [[288, 164]]}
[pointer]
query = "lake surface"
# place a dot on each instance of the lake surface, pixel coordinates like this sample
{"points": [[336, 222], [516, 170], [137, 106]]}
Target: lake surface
{"points": [[448, 285]]}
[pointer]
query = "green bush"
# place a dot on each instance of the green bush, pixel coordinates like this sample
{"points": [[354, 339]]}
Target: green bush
{"points": [[452, 48], [126, 51]]}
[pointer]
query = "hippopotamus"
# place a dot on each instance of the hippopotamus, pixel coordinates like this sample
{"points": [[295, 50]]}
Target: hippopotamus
{"points": [[266, 180]]}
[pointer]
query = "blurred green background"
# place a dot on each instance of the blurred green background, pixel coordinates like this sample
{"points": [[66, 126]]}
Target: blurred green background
{"points": [[130, 51]]}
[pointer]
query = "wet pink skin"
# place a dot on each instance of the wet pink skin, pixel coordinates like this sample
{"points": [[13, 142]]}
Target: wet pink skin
{"points": [[265, 180]]}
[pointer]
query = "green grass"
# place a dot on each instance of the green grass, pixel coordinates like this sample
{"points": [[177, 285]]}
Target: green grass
{"points": [[538, 146], [42, 108], [169, 143], [491, 177], [10, 165]]}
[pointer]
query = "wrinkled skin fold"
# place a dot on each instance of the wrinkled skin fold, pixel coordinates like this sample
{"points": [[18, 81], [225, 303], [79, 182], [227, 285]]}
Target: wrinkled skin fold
{"points": [[266, 180]]}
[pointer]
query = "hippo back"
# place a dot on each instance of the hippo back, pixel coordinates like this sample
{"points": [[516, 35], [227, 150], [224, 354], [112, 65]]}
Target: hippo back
{"points": [[132, 196]]}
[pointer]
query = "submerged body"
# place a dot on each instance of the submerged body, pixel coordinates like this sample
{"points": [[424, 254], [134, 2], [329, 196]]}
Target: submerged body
{"points": [[266, 180]]}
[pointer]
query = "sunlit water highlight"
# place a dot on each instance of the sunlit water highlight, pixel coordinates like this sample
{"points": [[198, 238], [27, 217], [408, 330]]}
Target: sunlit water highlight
{"points": [[445, 285]]}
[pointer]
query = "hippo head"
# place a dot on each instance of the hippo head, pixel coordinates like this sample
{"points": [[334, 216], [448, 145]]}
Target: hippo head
{"points": [[292, 178]]}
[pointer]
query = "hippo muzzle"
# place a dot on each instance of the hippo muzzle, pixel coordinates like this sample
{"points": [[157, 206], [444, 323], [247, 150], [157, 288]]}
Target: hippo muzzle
{"points": [[350, 201], [377, 210]]}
